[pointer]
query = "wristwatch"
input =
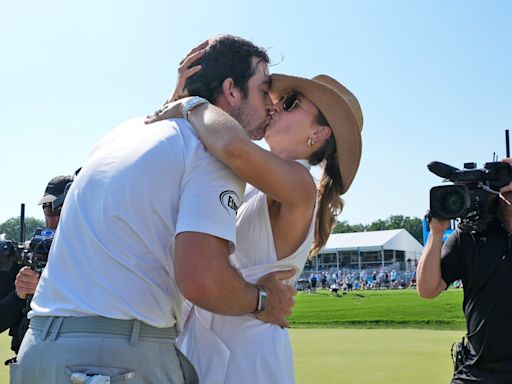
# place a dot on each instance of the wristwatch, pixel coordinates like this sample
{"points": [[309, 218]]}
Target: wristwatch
{"points": [[262, 301], [190, 104]]}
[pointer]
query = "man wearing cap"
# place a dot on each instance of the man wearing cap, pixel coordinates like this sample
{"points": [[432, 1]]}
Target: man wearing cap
{"points": [[150, 219], [54, 193], [17, 283]]}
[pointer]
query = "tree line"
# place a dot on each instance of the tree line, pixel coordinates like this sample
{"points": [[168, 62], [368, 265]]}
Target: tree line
{"points": [[11, 227]]}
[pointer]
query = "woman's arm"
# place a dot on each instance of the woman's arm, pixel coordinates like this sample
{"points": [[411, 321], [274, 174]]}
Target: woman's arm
{"points": [[285, 181], [281, 180]]}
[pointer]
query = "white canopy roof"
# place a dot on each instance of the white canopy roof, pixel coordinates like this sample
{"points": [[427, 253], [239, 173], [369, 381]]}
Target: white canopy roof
{"points": [[397, 239]]}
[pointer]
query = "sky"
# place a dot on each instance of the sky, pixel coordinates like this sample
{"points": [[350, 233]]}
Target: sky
{"points": [[433, 78]]}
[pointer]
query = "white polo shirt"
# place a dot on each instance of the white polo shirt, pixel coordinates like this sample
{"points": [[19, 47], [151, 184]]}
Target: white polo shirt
{"points": [[113, 253]]}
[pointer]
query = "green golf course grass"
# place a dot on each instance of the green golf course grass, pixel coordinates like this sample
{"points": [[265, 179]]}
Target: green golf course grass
{"points": [[379, 309], [384, 356], [388, 337]]}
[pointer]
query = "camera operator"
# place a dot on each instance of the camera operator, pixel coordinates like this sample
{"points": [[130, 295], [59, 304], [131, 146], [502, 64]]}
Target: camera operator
{"points": [[19, 282], [483, 260]]}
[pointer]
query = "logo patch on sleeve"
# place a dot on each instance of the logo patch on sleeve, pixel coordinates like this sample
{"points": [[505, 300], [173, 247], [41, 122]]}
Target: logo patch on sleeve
{"points": [[230, 201]]}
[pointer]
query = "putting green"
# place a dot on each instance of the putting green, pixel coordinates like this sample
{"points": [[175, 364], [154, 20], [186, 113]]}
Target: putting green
{"points": [[384, 356]]}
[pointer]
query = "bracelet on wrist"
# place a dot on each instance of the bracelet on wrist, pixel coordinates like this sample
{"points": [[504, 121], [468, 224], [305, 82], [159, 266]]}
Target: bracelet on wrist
{"points": [[190, 104]]}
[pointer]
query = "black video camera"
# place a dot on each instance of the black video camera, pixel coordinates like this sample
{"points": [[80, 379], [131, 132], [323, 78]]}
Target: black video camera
{"points": [[472, 197], [34, 254]]}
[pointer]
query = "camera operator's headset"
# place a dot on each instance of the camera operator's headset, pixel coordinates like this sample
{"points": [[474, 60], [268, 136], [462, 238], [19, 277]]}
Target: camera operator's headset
{"points": [[59, 201]]}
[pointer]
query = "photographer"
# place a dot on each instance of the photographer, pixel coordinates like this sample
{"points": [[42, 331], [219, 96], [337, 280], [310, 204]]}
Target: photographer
{"points": [[483, 260], [19, 282]]}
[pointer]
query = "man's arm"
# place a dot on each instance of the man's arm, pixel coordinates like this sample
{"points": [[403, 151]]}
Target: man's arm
{"points": [[11, 305], [205, 277], [429, 282]]}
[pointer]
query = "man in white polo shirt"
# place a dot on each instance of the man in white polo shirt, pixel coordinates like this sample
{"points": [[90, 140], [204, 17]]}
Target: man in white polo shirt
{"points": [[151, 214]]}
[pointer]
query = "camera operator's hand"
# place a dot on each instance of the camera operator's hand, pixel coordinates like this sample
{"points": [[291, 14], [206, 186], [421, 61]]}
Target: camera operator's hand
{"points": [[438, 226], [26, 282], [280, 298]]}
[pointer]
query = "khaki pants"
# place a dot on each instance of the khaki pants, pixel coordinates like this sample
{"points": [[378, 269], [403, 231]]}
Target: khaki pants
{"points": [[63, 348]]}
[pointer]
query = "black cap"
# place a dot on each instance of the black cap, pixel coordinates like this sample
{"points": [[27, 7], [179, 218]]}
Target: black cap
{"points": [[55, 188]]}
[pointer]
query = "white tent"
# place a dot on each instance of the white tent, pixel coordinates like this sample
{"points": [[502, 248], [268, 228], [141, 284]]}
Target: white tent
{"points": [[395, 248]]}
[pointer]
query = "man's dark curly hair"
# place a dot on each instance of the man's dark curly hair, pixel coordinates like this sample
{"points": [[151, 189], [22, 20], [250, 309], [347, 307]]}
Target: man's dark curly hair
{"points": [[227, 56]]}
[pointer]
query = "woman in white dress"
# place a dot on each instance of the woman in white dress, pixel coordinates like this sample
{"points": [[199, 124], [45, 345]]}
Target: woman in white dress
{"points": [[285, 216]]}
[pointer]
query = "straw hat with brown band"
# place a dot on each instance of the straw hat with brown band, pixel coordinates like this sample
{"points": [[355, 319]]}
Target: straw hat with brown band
{"points": [[341, 110]]}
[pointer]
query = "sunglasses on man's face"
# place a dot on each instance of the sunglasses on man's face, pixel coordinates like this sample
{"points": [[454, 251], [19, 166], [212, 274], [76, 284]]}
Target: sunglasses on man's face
{"points": [[50, 211]]}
